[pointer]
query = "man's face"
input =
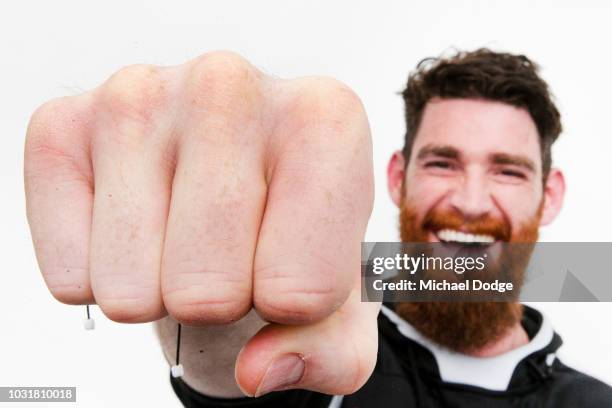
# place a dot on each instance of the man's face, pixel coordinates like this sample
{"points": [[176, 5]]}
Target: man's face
{"points": [[475, 174], [475, 169]]}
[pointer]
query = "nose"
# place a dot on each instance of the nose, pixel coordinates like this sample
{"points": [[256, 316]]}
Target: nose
{"points": [[472, 196]]}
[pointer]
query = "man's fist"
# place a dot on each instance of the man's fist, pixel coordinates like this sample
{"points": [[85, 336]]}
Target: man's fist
{"points": [[204, 190]]}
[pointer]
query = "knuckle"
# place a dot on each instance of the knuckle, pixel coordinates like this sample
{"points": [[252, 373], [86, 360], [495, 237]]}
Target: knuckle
{"points": [[219, 79], [189, 310], [327, 98], [197, 297], [69, 285], [136, 91], [56, 139], [323, 109], [47, 113], [46, 118], [71, 294], [295, 300], [296, 308], [126, 309], [128, 301]]}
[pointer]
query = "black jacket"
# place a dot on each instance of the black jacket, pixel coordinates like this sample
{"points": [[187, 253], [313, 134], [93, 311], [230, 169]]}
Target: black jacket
{"points": [[413, 372]]}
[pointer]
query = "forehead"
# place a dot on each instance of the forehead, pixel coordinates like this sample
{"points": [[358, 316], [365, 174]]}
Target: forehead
{"points": [[478, 128]]}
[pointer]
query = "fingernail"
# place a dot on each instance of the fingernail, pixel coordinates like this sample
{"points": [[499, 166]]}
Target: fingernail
{"points": [[282, 373]]}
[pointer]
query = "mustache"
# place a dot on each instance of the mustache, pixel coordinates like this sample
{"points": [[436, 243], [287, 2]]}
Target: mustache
{"points": [[464, 326], [436, 220]]}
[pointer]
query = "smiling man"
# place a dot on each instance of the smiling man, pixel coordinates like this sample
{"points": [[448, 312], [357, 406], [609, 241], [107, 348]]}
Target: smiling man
{"points": [[266, 287], [476, 168]]}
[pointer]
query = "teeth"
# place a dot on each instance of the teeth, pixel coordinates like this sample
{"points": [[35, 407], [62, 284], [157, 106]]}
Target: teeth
{"points": [[449, 235]]}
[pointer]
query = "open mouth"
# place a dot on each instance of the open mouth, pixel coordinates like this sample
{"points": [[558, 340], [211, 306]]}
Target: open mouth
{"points": [[456, 243], [451, 236]]}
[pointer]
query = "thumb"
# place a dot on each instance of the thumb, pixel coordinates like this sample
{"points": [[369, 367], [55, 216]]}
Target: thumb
{"points": [[334, 356]]}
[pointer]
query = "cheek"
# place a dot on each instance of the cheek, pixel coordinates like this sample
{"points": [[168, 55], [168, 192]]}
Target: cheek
{"points": [[423, 193], [519, 204]]}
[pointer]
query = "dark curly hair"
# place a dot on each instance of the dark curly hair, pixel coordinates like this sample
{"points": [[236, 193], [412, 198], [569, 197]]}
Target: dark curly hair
{"points": [[483, 74]]}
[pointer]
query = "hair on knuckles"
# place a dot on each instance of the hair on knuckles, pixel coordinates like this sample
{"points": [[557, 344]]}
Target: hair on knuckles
{"points": [[483, 74]]}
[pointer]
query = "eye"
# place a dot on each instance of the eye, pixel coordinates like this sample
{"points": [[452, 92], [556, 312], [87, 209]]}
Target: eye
{"points": [[513, 173], [440, 164]]}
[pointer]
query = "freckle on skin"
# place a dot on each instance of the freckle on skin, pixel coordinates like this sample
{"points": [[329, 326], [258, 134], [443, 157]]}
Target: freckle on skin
{"points": [[329, 197], [110, 195]]}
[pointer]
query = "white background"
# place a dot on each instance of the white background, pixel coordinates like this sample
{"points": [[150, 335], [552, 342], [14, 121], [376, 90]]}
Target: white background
{"points": [[58, 47]]}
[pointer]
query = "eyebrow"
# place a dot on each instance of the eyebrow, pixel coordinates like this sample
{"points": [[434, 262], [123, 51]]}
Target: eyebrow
{"points": [[515, 160], [450, 152]]}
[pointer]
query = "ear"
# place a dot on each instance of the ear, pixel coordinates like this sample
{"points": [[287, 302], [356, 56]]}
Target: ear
{"points": [[554, 192], [396, 172]]}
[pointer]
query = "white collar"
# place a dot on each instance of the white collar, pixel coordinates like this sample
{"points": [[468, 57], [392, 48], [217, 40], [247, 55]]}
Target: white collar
{"points": [[492, 373]]}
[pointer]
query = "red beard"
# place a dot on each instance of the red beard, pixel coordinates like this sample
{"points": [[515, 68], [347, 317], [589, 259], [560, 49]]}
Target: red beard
{"points": [[463, 326]]}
